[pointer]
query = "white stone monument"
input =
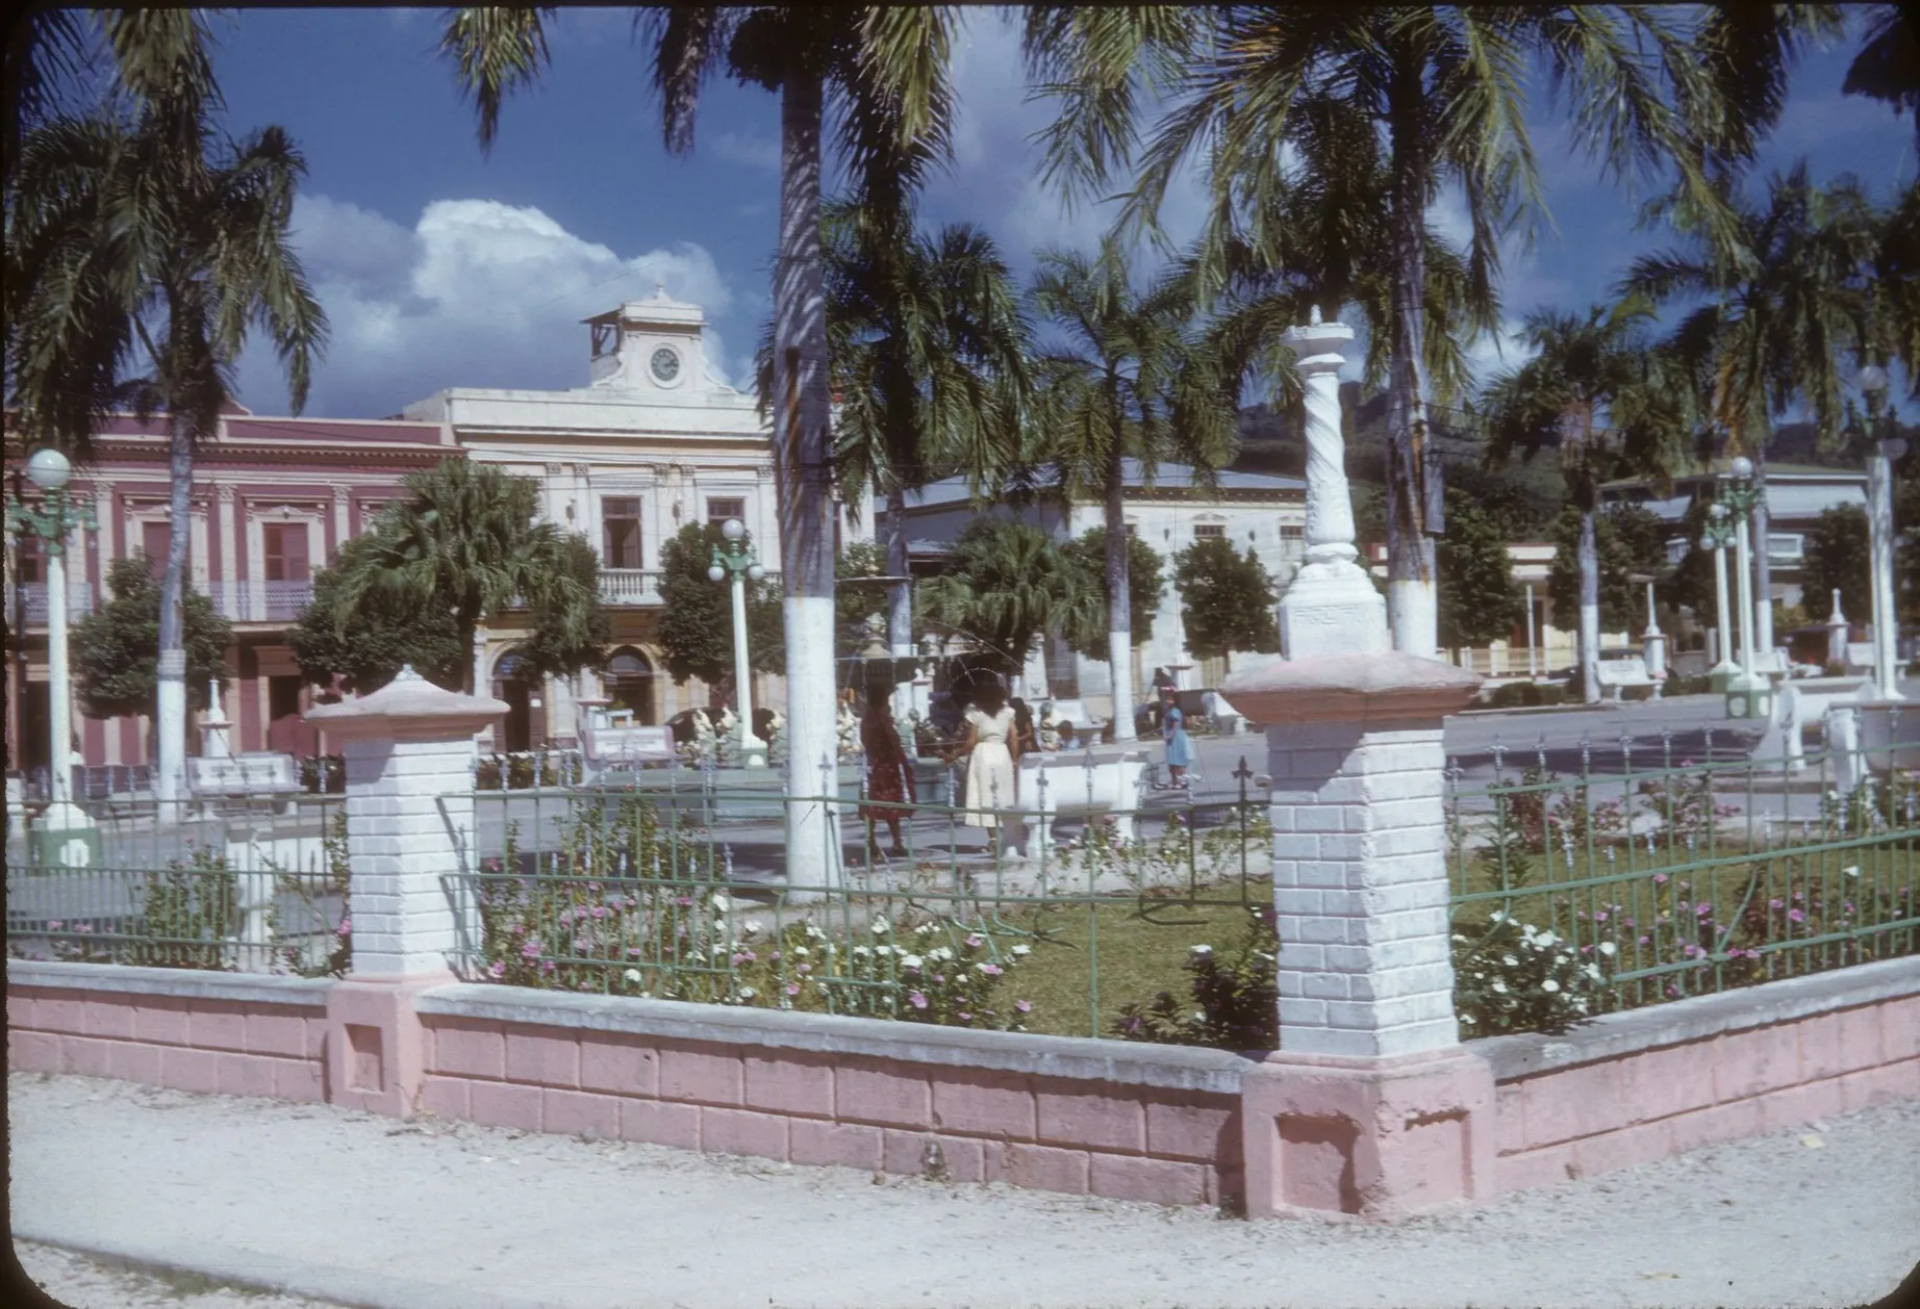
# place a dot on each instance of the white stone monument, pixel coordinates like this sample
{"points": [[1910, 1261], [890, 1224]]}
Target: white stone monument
{"points": [[1332, 605], [1654, 643]]}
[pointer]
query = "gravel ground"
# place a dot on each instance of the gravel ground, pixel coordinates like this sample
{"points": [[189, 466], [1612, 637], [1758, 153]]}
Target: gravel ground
{"points": [[357, 1209], [81, 1281]]}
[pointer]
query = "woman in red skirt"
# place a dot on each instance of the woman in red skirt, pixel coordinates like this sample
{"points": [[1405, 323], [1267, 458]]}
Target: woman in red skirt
{"points": [[889, 769]]}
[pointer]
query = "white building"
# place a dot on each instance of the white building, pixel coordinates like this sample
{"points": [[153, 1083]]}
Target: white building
{"points": [[654, 441], [1169, 513]]}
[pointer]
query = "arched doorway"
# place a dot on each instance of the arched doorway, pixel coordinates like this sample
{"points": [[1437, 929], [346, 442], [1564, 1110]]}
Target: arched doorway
{"points": [[515, 681], [629, 683]]}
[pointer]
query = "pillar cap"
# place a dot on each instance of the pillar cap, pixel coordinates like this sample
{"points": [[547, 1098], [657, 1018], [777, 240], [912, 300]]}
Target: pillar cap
{"points": [[1385, 684], [408, 706]]}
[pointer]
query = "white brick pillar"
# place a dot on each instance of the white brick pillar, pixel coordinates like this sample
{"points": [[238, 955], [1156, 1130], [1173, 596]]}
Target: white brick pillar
{"points": [[1359, 868], [409, 753]]}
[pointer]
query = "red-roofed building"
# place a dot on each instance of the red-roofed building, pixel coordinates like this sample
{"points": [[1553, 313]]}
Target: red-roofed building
{"points": [[273, 499]]}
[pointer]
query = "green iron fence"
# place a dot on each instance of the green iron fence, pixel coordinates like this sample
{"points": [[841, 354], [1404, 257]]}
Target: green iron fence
{"points": [[680, 892], [237, 886], [1672, 877]]}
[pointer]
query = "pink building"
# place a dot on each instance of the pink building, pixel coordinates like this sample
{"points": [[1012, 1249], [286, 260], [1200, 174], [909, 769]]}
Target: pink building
{"points": [[273, 498]]}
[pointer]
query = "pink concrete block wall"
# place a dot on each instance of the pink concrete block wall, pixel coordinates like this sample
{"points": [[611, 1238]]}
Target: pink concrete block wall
{"points": [[1632, 1108]]}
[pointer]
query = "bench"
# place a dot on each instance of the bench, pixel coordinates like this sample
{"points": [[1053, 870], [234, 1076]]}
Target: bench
{"points": [[260, 773], [1860, 656], [606, 750], [1618, 674], [1799, 706], [1086, 784]]}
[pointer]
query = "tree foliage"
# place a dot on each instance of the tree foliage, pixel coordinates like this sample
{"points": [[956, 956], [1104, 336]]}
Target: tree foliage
{"points": [[696, 620], [116, 648], [1146, 583], [1838, 558], [1226, 600], [1629, 539], [1010, 584], [1479, 600], [380, 635]]}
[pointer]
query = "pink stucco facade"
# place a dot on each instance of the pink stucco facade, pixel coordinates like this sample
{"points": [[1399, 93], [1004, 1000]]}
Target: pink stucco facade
{"points": [[1172, 1126]]}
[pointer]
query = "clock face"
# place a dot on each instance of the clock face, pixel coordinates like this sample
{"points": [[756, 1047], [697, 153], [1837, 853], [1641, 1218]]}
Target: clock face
{"points": [[665, 364]]}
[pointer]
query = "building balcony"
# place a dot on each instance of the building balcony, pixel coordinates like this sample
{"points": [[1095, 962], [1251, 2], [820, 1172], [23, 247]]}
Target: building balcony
{"points": [[79, 602], [630, 586], [260, 602]]}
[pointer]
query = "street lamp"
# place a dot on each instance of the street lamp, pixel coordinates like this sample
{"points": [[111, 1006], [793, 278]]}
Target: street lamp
{"points": [[737, 561], [64, 837], [1717, 536], [1749, 691], [1886, 449]]}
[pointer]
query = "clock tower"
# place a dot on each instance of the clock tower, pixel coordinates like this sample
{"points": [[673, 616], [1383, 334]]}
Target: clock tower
{"points": [[654, 346]]}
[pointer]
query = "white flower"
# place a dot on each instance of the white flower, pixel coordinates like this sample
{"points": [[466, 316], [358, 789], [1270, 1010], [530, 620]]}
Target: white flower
{"points": [[1509, 961], [1548, 938], [632, 974], [815, 934], [1459, 938], [1851, 870], [1497, 916], [923, 929], [941, 953], [720, 903], [909, 961], [861, 951], [1499, 986], [881, 927], [799, 952], [1023, 950], [1202, 949], [1549, 986], [883, 949], [746, 993], [1605, 947]]}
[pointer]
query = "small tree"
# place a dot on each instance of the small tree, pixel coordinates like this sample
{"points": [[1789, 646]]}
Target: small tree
{"points": [[1226, 600], [1839, 558], [1146, 583], [1479, 602], [116, 649], [696, 623], [1628, 539], [1010, 585], [365, 645]]}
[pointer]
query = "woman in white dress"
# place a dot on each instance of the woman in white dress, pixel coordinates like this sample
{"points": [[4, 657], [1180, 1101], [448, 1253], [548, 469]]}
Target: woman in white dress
{"points": [[990, 744]]}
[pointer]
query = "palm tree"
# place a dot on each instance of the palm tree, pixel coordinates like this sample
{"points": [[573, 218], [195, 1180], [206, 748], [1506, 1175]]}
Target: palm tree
{"points": [[1010, 584], [1887, 66], [929, 344], [1601, 394], [1130, 383], [889, 67], [470, 539], [145, 235], [1783, 312], [1650, 91]]}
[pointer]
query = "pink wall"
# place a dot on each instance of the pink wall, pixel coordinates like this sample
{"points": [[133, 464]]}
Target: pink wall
{"points": [[1084, 1117]]}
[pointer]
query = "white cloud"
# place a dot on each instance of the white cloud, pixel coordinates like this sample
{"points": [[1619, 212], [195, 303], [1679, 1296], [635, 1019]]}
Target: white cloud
{"points": [[748, 149], [476, 293]]}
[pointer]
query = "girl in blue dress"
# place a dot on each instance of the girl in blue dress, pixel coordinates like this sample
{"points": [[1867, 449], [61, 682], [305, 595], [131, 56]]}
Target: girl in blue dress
{"points": [[1173, 727]]}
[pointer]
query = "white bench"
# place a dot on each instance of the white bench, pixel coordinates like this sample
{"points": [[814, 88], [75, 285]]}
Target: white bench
{"points": [[260, 773], [1618, 674], [624, 749], [1084, 784]]}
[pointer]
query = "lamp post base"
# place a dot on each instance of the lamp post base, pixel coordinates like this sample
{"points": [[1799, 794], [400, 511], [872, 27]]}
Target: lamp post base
{"points": [[1721, 675], [64, 837], [1750, 695]]}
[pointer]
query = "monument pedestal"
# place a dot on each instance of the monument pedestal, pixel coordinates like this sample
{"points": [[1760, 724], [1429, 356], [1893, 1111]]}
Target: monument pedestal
{"points": [[1332, 607]]}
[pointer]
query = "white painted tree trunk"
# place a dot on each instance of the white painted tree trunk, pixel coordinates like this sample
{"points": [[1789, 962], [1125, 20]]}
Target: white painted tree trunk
{"points": [[1589, 610], [170, 697], [899, 598], [1413, 612], [1119, 601], [802, 448]]}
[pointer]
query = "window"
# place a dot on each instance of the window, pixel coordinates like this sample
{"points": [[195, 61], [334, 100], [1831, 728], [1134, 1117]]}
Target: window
{"points": [[30, 558], [720, 510], [1292, 532], [286, 551], [1790, 548], [153, 543], [620, 520], [1202, 531]]}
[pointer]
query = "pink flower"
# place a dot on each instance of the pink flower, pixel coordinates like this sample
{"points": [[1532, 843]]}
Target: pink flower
{"points": [[917, 1000], [1776, 904], [1599, 915], [1024, 1006], [1795, 916], [793, 988], [345, 928], [965, 1018], [1646, 940], [974, 942], [499, 968], [992, 970], [1659, 879], [1704, 910], [599, 911]]}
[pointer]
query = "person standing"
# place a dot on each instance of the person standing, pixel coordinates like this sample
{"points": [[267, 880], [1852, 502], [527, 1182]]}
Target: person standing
{"points": [[889, 770], [989, 743], [1173, 728]]}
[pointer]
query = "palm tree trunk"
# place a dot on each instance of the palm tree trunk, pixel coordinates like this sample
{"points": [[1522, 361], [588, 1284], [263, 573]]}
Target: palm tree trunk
{"points": [[1762, 567], [806, 507], [1412, 605], [1119, 600], [1589, 609], [170, 710], [900, 594]]}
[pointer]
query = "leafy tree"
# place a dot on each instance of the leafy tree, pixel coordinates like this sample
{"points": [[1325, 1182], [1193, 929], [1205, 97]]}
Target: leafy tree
{"points": [[1130, 383], [381, 634], [141, 235], [116, 647], [1145, 586], [1445, 87], [1628, 539], [1010, 584], [468, 541], [1479, 600], [1838, 558], [696, 618], [1226, 600]]}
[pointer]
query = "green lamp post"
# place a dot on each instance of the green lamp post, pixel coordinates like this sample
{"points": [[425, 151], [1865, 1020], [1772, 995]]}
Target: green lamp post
{"points": [[1717, 536], [64, 836], [1749, 691], [736, 562]]}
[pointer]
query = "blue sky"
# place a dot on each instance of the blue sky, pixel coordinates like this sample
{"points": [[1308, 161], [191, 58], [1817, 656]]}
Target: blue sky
{"points": [[440, 267]]}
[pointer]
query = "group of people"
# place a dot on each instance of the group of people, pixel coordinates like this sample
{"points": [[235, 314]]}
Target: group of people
{"points": [[995, 732]]}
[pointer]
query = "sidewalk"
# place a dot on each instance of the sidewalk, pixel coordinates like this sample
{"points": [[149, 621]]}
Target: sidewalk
{"points": [[353, 1208]]}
